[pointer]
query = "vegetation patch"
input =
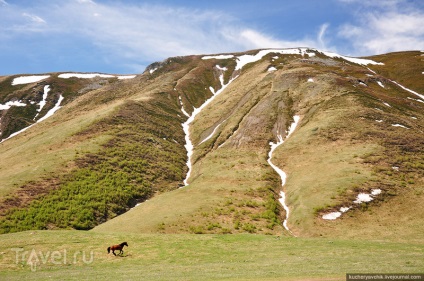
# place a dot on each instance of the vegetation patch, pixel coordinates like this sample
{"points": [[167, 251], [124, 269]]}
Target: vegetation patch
{"points": [[142, 158]]}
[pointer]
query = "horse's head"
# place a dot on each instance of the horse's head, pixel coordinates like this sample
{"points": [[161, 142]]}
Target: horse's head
{"points": [[124, 244]]}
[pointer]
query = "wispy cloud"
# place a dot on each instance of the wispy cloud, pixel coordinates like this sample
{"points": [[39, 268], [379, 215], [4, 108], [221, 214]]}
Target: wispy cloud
{"points": [[385, 28], [135, 31], [34, 18], [321, 34]]}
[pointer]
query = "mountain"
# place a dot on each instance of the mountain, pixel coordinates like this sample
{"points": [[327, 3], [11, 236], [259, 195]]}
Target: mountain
{"points": [[187, 147]]}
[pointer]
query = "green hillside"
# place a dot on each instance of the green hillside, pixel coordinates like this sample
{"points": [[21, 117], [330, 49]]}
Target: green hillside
{"points": [[113, 160]]}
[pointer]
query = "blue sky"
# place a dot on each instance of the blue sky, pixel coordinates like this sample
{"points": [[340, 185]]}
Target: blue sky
{"points": [[123, 37]]}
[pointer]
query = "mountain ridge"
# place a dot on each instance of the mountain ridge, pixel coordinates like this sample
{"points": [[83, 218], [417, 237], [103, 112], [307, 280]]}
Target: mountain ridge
{"points": [[247, 189]]}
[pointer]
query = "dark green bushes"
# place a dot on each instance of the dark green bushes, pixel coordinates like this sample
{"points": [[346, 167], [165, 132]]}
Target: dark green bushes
{"points": [[146, 154]]}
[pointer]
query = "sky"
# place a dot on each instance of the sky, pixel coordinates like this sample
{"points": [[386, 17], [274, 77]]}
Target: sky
{"points": [[124, 37]]}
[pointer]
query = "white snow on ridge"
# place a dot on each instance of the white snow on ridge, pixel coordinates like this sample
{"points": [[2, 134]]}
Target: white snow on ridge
{"points": [[93, 75], [381, 84], [218, 57], [153, 70], [84, 75], [271, 69], [245, 59], [28, 79], [9, 104], [354, 60], [123, 77]]}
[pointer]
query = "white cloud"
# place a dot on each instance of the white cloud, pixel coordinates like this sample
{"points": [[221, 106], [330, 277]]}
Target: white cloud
{"points": [[34, 18], [321, 34], [386, 32], [156, 32], [384, 26]]}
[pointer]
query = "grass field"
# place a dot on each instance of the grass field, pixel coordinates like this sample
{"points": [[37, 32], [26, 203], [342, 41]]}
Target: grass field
{"points": [[198, 257]]}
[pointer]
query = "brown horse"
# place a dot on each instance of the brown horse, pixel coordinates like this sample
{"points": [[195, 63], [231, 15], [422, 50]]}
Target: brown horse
{"points": [[117, 247]]}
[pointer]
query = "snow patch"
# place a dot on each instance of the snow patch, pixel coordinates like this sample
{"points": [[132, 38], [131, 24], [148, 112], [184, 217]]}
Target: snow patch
{"points": [[218, 57], [29, 79], [332, 216], [280, 172], [221, 68], [399, 125], [9, 104], [360, 198], [84, 75], [354, 60], [53, 110], [271, 69], [43, 102], [381, 84], [186, 125], [245, 59], [182, 108], [310, 80], [418, 100], [123, 77], [409, 90]]}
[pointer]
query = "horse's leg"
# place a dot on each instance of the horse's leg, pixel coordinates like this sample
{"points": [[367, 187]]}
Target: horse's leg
{"points": [[113, 252]]}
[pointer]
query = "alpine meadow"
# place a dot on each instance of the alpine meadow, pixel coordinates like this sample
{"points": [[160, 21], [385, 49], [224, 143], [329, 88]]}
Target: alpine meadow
{"points": [[271, 164]]}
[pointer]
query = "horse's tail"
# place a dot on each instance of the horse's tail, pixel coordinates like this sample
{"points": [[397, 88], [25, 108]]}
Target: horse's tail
{"points": [[108, 250]]}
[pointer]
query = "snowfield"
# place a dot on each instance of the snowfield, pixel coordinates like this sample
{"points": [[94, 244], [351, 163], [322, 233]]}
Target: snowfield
{"points": [[29, 79], [93, 75]]}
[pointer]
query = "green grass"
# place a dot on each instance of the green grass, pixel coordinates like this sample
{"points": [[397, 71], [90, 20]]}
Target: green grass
{"points": [[201, 257]]}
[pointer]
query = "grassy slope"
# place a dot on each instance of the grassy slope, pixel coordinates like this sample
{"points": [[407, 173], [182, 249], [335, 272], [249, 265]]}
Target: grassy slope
{"points": [[202, 257], [337, 151], [228, 190], [230, 185]]}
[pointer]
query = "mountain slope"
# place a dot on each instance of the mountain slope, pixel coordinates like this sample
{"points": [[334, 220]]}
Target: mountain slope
{"points": [[359, 132], [340, 149]]}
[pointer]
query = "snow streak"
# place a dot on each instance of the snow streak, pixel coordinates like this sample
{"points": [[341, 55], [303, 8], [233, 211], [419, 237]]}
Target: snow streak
{"points": [[281, 172], [186, 125]]}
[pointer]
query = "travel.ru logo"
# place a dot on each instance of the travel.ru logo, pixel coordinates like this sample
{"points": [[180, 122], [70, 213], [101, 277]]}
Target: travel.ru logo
{"points": [[35, 258]]}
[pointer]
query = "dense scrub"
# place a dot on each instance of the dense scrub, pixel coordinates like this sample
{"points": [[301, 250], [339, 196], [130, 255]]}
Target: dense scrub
{"points": [[145, 155]]}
